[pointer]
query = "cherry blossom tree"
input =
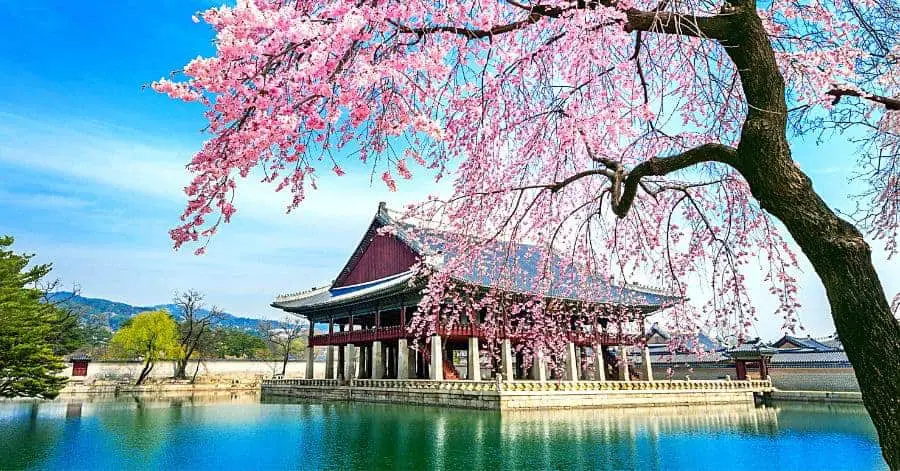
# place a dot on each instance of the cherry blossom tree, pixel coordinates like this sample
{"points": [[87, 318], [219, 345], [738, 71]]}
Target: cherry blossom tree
{"points": [[621, 139]]}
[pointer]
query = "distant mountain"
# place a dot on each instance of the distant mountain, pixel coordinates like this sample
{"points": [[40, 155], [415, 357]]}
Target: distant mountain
{"points": [[120, 312]]}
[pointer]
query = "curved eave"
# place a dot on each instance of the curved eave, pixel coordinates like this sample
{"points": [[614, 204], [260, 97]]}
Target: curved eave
{"points": [[352, 303], [644, 308]]}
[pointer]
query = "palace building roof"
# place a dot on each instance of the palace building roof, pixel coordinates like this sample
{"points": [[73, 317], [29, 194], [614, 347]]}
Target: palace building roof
{"points": [[383, 262]]}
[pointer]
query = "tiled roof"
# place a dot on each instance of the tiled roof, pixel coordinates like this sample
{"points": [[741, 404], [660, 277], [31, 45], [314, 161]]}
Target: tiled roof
{"points": [[687, 358], [79, 356], [688, 341], [519, 268], [788, 358], [326, 295], [808, 342], [510, 267]]}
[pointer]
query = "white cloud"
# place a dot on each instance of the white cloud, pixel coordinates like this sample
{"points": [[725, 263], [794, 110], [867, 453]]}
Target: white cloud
{"points": [[262, 253]]}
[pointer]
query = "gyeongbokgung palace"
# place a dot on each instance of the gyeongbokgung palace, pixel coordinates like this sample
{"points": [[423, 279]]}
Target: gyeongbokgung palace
{"points": [[362, 321]]}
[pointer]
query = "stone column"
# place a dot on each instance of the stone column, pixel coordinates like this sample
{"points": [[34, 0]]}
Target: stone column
{"points": [[402, 359], [506, 361], [390, 358], [579, 363], [648, 367], [571, 363], [623, 364], [377, 360], [437, 357], [364, 362], [350, 361], [329, 362], [599, 363], [310, 362], [413, 360], [539, 366], [474, 364], [341, 363]]}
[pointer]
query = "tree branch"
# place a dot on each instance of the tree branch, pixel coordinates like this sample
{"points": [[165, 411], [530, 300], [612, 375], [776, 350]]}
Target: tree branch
{"points": [[713, 27], [659, 166], [891, 104]]}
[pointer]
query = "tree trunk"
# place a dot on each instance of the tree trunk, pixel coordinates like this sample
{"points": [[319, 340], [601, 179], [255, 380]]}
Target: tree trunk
{"points": [[180, 368], [284, 363], [196, 370], [181, 363], [836, 249], [145, 372], [862, 315]]}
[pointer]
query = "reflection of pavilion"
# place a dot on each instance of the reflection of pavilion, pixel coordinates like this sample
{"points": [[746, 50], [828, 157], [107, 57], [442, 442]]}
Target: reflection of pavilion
{"points": [[368, 344], [667, 419]]}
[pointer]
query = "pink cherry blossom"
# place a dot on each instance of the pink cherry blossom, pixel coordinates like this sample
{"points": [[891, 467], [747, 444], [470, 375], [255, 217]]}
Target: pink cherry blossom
{"points": [[540, 111]]}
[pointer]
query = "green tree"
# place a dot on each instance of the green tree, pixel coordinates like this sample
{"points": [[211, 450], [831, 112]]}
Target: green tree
{"points": [[283, 340], [236, 343], [151, 335], [195, 328], [28, 328]]}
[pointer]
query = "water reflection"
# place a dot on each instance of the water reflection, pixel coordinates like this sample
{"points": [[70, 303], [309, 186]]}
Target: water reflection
{"points": [[622, 437], [240, 430]]}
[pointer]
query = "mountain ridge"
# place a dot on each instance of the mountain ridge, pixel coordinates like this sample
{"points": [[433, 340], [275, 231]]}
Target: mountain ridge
{"points": [[119, 312]]}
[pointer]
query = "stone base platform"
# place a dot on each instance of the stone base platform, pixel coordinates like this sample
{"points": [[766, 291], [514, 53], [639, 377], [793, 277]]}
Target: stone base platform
{"points": [[515, 395], [817, 396]]}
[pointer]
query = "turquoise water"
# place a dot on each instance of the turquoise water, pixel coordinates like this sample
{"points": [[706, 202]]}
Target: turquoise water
{"points": [[244, 432]]}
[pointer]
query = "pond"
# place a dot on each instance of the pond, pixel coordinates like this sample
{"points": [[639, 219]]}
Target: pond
{"points": [[241, 431]]}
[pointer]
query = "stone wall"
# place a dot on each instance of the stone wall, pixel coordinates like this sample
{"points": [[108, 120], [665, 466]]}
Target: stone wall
{"points": [[522, 394], [814, 379], [789, 379], [236, 369]]}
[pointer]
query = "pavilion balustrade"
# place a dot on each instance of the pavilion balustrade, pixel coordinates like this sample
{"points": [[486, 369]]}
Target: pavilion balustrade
{"points": [[359, 336], [528, 385], [459, 331]]}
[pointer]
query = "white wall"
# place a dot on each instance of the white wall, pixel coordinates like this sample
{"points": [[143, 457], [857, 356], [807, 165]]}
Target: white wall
{"points": [[113, 370]]}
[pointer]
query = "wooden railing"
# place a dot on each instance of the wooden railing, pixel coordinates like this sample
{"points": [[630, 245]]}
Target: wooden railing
{"points": [[459, 331], [524, 386], [360, 336]]}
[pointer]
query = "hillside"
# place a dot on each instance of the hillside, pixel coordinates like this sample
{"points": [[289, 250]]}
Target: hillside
{"points": [[120, 312]]}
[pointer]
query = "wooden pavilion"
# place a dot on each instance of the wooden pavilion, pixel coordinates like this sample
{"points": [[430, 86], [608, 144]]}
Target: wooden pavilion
{"points": [[369, 306]]}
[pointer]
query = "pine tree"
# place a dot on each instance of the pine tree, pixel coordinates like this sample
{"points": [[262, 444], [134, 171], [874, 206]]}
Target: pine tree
{"points": [[28, 327]]}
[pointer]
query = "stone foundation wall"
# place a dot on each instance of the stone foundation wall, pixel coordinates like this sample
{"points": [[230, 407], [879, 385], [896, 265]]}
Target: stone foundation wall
{"points": [[789, 379], [523, 394]]}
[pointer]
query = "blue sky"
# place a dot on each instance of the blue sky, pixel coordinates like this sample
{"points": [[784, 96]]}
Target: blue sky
{"points": [[92, 169]]}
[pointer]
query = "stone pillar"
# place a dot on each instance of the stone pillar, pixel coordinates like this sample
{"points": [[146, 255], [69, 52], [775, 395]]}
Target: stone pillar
{"points": [[364, 362], [506, 361], [413, 360], [539, 366], [579, 363], [599, 363], [329, 362], [571, 363], [350, 361], [402, 359], [623, 364], [310, 362], [390, 357], [341, 363], [377, 360], [474, 360], [648, 368], [437, 357]]}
